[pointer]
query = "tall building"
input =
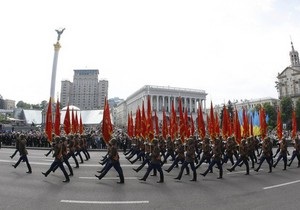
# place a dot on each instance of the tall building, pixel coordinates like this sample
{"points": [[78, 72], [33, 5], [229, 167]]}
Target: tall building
{"points": [[161, 97], [86, 91], [288, 84]]}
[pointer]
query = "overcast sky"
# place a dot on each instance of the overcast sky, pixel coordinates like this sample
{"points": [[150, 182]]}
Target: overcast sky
{"points": [[232, 49]]}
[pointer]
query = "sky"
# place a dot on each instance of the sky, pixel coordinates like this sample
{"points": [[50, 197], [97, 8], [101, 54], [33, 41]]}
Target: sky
{"points": [[231, 49]]}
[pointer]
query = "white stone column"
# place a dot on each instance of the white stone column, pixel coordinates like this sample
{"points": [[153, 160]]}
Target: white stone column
{"points": [[54, 68]]}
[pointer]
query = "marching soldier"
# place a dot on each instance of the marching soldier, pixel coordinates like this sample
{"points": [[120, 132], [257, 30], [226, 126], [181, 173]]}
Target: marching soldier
{"points": [[189, 160], [296, 152], [283, 153], [23, 154], [17, 146], [216, 159], [58, 160], [206, 150], [243, 149], [113, 162], [155, 162], [266, 154], [72, 150], [65, 156]]}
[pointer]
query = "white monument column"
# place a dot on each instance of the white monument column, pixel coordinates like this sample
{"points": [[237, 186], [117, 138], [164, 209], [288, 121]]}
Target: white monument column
{"points": [[54, 66]]}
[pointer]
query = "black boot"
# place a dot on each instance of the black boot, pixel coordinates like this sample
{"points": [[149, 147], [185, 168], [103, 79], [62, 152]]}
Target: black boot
{"points": [[194, 176]]}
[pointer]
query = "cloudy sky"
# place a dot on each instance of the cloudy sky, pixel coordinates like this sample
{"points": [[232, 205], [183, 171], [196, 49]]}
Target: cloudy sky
{"points": [[232, 49]]}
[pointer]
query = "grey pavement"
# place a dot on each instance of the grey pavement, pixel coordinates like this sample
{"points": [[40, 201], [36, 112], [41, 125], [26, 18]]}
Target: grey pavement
{"points": [[259, 190]]}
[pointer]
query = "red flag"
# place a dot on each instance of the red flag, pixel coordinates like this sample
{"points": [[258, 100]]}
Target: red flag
{"points": [[76, 122], [80, 126], [211, 124], [149, 123], [73, 122], [192, 126], [106, 123], [164, 125], [201, 125], [182, 124], [263, 124], [156, 124], [138, 123], [143, 122], [217, 127], [294, 125], [225, 123], [130, 125], [279, 125], [245, 124], [49, 121], [187, 126], [173, 123], [57, 120], [67, 123]]}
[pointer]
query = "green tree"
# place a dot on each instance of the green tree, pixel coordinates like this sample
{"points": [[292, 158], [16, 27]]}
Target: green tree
{"points": [[286, 111], [297, 110], [272, 113], [23, 105]]}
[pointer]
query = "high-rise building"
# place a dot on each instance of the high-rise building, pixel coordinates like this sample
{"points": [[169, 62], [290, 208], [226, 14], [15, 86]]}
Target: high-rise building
{"points": [[86, 91]]}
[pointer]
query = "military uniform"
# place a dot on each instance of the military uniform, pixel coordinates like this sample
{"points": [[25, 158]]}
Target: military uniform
{"points": [[155, 163], [266, 154], [216, 159], [179, 157], [17, 147], [283, 154], [189, 160], [170, 151], [23, 154], [243, 158], [231, 147], [147, 157], [72, 150], [58, 160], [113, 162], [206, 150], [65, 156], [296, 152]]}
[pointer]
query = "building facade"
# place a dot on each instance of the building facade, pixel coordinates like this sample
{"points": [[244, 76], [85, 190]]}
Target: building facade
{"points": [[288, 84], [161, 97], [86, 91]]}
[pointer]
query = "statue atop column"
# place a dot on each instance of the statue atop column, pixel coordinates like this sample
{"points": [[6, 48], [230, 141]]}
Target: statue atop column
{"points": [[59, 32]]}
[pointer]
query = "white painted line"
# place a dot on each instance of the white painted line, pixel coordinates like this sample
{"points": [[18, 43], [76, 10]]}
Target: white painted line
{"points": [[240, 172], [104, 202], [107, 178], [281, 185]]}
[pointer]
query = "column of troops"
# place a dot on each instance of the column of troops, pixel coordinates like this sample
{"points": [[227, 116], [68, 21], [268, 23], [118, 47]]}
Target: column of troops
{"points": [[192, 153], [188, 155], [62, 148]]}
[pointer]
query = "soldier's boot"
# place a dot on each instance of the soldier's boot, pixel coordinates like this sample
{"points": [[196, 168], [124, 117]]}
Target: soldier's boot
{"points": [[179, 175], [284, 167], [194, 176], [270, 169], [154, 173], [161, 179], [220, 174], [247, 170], [187, 171]]}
